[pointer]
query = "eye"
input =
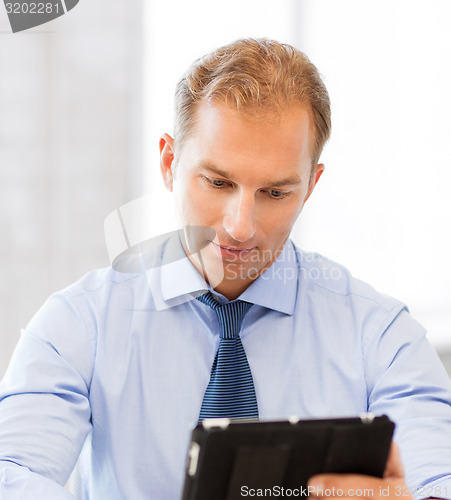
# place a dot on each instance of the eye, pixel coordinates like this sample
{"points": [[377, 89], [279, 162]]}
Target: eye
{"points": [[216, 183], [276, 194]]}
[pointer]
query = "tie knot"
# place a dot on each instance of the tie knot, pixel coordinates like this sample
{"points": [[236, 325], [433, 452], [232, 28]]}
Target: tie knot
{"points": [[230, 315]]}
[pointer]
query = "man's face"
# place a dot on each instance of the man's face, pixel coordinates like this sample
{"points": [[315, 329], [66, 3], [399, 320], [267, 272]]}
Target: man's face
{"points": [[248, 180]]}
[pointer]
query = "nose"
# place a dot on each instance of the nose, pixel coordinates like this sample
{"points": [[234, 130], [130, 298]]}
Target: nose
{"points": [[239, 221]]}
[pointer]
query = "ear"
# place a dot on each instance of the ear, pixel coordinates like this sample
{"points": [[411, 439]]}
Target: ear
{"points": [[319, 169], [167, 159]]}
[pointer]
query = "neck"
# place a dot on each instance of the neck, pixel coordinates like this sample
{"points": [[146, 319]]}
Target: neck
{"points": [[232, 289], [230, 286]]}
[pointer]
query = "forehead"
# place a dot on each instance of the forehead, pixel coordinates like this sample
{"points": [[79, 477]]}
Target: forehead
{"points": [[286, 136]]}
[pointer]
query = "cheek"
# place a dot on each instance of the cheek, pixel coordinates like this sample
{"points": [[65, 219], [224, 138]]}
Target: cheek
{"points": [[281, 219], [195, 205]]}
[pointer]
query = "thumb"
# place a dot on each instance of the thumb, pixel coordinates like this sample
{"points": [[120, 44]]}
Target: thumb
{"points": [[394, 468]]}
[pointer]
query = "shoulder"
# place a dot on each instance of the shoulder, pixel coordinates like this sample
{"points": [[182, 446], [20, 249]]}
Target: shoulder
{"points": [[329, 289], [324, 275], [97, 280], [103, 290], [84, 303]]}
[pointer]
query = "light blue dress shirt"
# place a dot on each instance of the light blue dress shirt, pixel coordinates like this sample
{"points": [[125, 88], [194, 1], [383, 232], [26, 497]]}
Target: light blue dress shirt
{"points": [[123, 360]]}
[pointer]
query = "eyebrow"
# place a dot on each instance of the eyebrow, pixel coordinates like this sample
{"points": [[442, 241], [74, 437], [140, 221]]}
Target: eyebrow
{"points": [[288, 181]]}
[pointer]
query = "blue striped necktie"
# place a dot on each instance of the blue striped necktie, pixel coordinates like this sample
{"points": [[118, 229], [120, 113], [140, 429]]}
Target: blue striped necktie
{"points": [[230, 392]]}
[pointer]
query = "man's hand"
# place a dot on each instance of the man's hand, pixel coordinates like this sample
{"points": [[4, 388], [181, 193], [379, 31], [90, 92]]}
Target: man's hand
{"points": [[392, 486]]}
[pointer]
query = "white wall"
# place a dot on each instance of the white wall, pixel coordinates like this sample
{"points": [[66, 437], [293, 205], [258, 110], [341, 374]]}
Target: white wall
{"points": [[70, 149], [383, 206]]}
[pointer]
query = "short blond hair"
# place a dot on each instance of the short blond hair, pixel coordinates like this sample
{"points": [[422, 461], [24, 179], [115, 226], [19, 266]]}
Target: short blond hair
{"points": [[256, 76]]}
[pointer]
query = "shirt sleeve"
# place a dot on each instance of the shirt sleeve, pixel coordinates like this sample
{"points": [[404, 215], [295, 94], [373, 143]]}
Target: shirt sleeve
{"points": [[407, 381], [44, 404]]}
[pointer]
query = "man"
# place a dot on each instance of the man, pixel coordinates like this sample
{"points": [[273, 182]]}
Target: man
{"points": [[126, 358]]}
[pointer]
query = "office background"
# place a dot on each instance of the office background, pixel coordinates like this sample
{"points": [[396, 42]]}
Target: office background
{"points": [[84, 99]]}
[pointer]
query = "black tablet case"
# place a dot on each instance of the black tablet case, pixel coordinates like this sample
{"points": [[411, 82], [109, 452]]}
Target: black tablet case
{"points": [[224, 455]]}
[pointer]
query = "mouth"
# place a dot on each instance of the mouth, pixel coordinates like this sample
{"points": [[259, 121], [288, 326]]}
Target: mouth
{"points": [[231, 251]]}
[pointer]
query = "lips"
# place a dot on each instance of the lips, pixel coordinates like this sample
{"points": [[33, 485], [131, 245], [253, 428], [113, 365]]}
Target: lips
{"points": [[231, 251]]}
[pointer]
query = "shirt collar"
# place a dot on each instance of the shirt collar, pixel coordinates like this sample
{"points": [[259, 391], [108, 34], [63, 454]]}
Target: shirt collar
{"points": [[275, 289], [179, 277]]}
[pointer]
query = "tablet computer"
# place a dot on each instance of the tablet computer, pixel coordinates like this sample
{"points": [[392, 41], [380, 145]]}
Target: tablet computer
{"points": [[228, 460]]}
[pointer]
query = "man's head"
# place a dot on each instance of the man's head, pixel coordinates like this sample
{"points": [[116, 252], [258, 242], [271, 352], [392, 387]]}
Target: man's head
{"points": [[257, 77], [251, 121]]}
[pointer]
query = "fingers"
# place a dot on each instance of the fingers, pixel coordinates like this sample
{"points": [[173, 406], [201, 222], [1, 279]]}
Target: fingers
{"points": [[365, 487], [347, 486], [394, 468]]}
